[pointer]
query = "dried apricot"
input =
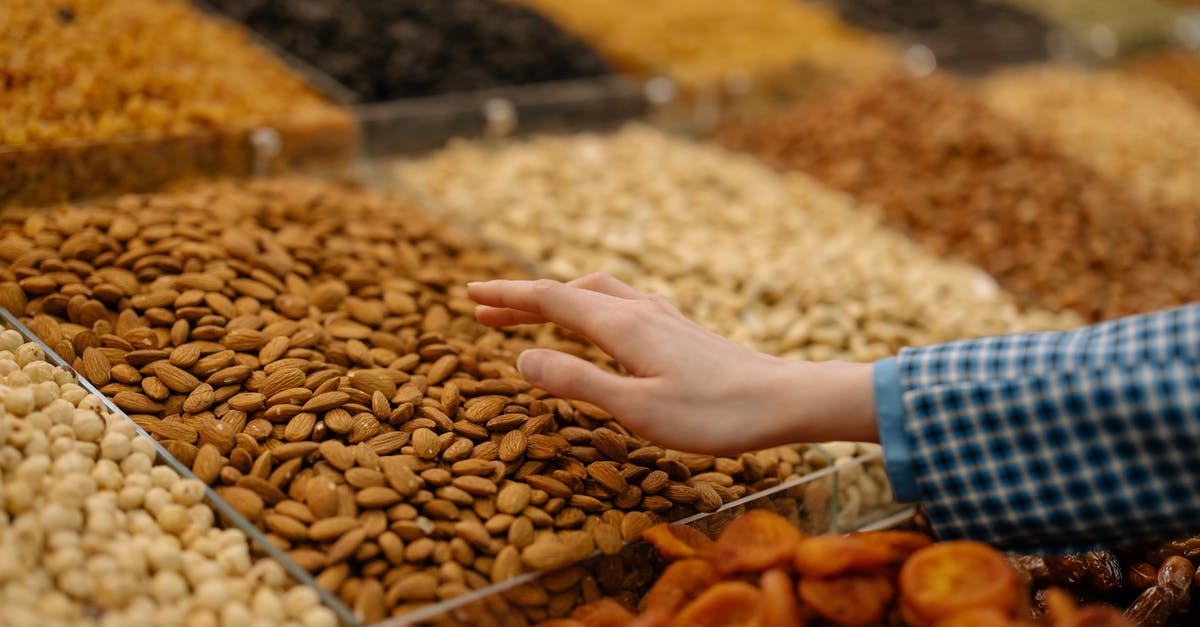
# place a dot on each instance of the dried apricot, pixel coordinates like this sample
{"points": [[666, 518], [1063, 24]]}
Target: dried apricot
{"points": [[779, 607], [679, 583], [560, 622], [727, 604], [904, 543], [603, 613], [826, 556], [676, 542], [850, 600], [757, 541], [943, 579]]}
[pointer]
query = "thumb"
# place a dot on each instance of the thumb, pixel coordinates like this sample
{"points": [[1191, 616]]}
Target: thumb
{"points": [[571, 377]]}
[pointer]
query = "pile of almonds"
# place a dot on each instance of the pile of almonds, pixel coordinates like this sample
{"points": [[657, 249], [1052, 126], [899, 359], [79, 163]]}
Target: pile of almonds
{"points": [[309, 350], [1135, 130], [966, 182], [781, 264], [93, 531]]}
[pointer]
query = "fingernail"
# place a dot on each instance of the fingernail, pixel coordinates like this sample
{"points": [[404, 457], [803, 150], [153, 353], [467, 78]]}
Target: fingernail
{"points": [[529, 364]]}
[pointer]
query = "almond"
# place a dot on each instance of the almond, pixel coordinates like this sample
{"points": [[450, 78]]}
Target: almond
{"points": [[327, 529], [136, 403], [326, 401], [175, 378], [507, 564], [244, 501], [345, 546], [281, 380], [321, 497], [607, 538], [337, 454], [415, 587], [425, 443], [300, 427], [549, 484], [654, 481], [513, 445], [544, 447], [610, 444], [286, 527], [377, 497], [247, 401], [513, 497], [244, 340], [208, 463], [608, 476], [399, 476], [95, 367], [484, 408], [474, 485], [200, 399], [472, 467]]}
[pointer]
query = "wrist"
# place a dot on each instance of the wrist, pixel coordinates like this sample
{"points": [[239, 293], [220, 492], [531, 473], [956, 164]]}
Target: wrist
{"points": [[827, 401]]}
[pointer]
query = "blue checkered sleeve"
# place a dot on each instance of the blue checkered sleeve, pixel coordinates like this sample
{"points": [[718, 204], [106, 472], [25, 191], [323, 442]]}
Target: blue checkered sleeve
{"points": [[1051, 442]]}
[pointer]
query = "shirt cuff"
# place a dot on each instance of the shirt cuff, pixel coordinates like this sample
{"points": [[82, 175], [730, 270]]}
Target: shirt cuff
{"points": [[889, 411]]}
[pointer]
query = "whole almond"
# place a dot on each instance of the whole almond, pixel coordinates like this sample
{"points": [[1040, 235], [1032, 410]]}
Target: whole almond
{"points": [[200, 399], [709, 499], [513, 445], [520, 532], [376, 497], [507, 564], [136, 403], [344, 546], [654, 481], [607, 475], [244, 340], [472, 466], [326, 401], [633, 524], [329, 528], [364, 478], [286, 527], [543, 447], [550, 485], [337, 454], [513, 497], [208, 463], [607, 538], [175, 378], [95, 367], [474, 485], [399, 476], [244, 501], [300, 427], [425, 443], [320, 495], [610, 444], [484, 408], [415, 587], [281, 380]]}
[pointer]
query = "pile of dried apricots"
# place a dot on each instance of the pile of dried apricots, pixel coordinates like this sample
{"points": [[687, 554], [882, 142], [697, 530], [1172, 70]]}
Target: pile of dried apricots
{"points": [[763, 572]]}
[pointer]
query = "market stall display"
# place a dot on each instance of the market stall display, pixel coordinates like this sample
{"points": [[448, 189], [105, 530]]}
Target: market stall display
{"points": [[1176, 67], [1134, 130], [409, 48], [106, 96], [761, 570], [782, 264], [1154, 583], [1108, 27], [708, 43], [309, 350], [966, 182], [94, 529], [966, 35]]}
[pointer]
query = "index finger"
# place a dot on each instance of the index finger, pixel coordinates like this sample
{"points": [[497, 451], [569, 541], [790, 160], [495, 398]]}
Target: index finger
{"points": [[579, 310]]}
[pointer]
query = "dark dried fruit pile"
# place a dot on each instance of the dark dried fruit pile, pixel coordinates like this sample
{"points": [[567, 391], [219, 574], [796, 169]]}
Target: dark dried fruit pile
{"points": [[967, 183], [407, 48], [963, 34]]}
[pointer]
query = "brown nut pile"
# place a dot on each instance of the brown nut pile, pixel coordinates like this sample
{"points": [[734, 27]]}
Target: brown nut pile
{"points": [[1176, 67], [309, 349], [782, 264], [103, 96], [1135, 130], [1155, 584], [91, 526], [966, 182], [706, 42]]}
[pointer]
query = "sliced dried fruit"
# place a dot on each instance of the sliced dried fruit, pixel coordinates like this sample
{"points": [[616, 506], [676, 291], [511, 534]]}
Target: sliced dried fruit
{"points": [[679, 583], [827, 556], [779, 607], [943, 579], [603, 613], [755, 542], [851, 600], [727, 604], [676, 542]]}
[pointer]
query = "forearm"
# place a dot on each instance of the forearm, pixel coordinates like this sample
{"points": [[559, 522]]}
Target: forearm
{"points": [[1052, 441]]}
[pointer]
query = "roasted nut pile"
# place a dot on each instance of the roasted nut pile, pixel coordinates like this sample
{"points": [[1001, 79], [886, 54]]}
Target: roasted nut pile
{"points": [[1178, 68], [93, 531], [1154, 583], [1132, 129], [763, 571], [705, 42], [110, 96], [963, 34], [406, 48], [309, 349], [779, 263], [968, 183]]}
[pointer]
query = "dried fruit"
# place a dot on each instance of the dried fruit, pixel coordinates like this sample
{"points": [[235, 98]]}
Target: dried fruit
{"points": [[849, 600], [942, 579], [829, 555], [679, 541], [726, 603], [756, 541], [678, 584]]}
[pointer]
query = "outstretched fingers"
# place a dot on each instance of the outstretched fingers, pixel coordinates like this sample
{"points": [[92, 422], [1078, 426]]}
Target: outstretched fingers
{"points": [[568, 376]]}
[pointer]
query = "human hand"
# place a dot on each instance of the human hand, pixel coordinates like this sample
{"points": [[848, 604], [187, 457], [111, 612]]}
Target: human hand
{"points": [[691, 389]]}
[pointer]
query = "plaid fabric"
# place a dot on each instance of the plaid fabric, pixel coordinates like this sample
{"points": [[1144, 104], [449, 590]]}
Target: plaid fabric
{"points": [[1054, 442]]}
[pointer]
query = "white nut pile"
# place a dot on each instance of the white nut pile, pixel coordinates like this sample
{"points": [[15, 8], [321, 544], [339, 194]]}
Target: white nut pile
{"points": [[92, 531], [1134, 129], [777, 262]]}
